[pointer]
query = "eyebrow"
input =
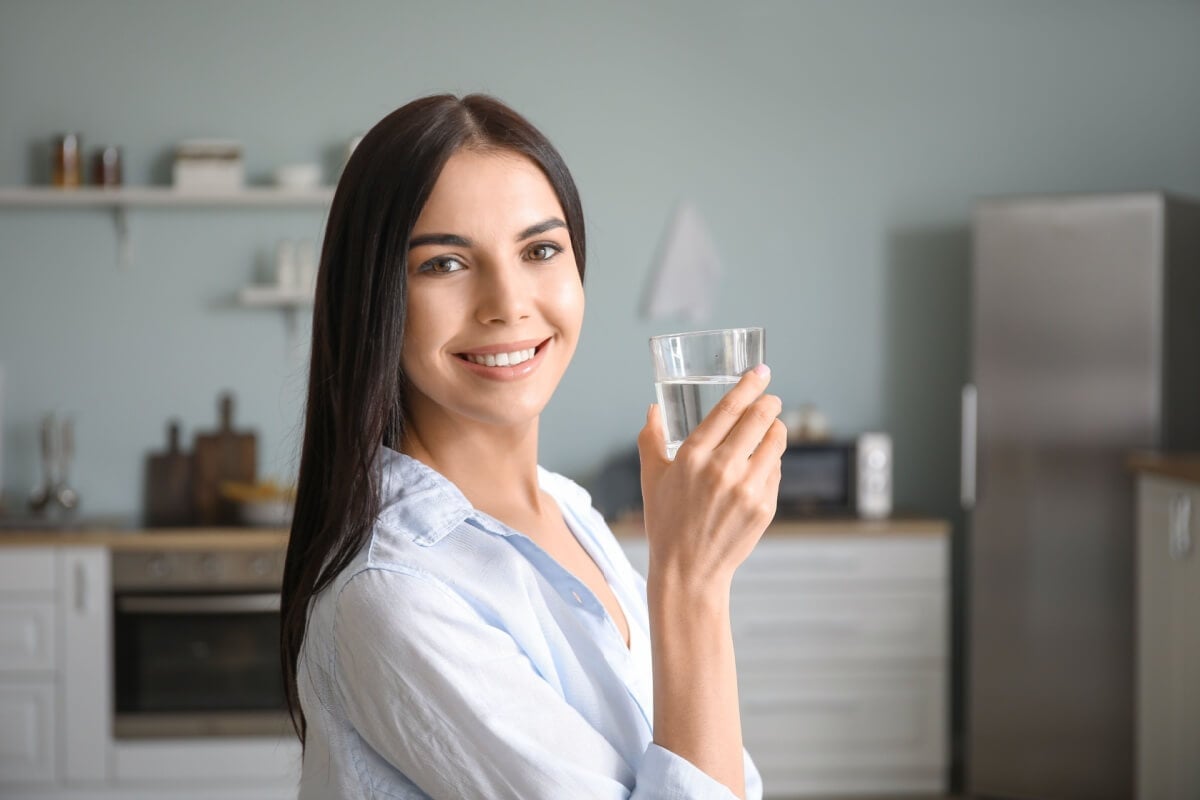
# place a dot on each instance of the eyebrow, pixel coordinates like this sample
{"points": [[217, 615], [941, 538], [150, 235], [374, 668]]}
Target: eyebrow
{"points": [[462, 241]]}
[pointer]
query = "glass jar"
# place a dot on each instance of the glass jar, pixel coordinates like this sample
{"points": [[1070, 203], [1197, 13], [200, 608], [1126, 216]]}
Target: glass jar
{"points": [[106, 167], [67, 169]]}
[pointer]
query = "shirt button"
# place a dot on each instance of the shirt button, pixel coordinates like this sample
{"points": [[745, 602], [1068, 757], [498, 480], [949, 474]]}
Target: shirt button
{"points": [[578, 599]]}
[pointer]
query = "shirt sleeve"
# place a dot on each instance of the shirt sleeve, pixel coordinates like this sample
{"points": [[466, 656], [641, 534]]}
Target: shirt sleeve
{"points": [[452, 703]]}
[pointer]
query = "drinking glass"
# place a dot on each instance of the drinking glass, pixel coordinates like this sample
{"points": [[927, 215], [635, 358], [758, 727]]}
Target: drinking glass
{"points": [[693, 371]]}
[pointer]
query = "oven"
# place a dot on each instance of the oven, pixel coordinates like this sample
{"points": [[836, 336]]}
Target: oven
{"points": [[196, 643]]}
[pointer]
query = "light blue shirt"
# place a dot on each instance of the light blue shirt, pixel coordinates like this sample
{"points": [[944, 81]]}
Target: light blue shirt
{"points": [[454, 658]]}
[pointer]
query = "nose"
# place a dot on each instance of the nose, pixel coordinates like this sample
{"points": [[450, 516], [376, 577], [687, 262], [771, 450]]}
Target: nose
{"points": [[505, 295]]}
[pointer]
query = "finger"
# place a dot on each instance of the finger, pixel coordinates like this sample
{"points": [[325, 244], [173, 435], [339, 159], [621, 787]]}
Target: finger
{"points": [[749, 431], [713, 429], [651, 442], [765, 462]]}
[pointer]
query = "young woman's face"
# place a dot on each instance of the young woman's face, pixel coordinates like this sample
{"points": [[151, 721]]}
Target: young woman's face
{"points": [[495, 301]]}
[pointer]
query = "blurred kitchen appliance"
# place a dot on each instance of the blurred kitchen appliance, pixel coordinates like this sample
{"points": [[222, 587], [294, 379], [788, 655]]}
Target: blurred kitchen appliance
{"points": [[873, 460], [196, 643], [1086, 345], [839, 477]]}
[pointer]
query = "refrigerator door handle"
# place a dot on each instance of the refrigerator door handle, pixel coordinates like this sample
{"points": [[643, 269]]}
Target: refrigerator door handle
{"points": [[1179, 544], [970, 407]]}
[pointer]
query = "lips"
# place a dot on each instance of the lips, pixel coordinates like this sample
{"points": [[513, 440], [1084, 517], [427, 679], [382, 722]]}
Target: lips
{"points": [[504, 362], [509, 347]]}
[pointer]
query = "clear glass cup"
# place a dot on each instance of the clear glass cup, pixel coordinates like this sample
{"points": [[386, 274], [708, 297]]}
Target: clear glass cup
{"points": [[693, 371]]}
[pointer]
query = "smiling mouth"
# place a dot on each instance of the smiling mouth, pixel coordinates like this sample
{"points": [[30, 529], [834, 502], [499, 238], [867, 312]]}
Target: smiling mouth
{"points": [[510, 359]]}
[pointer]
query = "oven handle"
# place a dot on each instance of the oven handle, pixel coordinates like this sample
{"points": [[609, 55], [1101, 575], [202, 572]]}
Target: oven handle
{"points": [[199, 604]]}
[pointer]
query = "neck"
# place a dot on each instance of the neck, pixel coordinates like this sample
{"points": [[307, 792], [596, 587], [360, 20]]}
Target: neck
{"points": [[494, 467]]}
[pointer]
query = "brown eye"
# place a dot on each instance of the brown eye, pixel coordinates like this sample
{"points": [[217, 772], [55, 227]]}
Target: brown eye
{"points": [[544, 251], [442, 265]]}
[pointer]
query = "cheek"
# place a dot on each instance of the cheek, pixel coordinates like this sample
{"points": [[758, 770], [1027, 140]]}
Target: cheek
{"points": [[568, 299], [418, 332]]}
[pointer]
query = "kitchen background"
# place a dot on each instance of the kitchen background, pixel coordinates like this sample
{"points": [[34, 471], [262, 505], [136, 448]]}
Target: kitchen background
{"points": [[834, 150]]}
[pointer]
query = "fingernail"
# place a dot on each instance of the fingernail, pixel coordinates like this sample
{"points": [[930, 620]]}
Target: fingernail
{"points": [[762, 370], [649, 411]]}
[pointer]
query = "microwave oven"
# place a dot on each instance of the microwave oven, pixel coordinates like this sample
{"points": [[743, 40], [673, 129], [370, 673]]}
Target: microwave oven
{"points": [[839, 477]]}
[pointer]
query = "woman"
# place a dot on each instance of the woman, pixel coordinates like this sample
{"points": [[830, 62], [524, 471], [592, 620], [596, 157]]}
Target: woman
{"points": [[457, 621]]}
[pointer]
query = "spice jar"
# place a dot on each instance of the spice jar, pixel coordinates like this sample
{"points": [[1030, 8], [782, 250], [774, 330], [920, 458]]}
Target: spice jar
{"points": [[66, 168], [106, 167]]}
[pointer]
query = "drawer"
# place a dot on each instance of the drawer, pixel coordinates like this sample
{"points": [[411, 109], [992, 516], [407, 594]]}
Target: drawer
{"points": [[793, 628], [833, 561], [27, 570], [26, 732], [828, 561], [27, 635], [834, 721]]}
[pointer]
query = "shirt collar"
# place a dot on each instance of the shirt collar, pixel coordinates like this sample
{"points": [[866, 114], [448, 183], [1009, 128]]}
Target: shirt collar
{"points": [[424, 505], [417, 500]]}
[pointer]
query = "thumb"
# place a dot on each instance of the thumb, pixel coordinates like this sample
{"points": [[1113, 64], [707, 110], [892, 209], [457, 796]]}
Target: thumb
{"points": [[652, 444]]}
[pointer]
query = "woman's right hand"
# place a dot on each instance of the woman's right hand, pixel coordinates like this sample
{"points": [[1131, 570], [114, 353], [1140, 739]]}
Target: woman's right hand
{"points": [[706, 510]]}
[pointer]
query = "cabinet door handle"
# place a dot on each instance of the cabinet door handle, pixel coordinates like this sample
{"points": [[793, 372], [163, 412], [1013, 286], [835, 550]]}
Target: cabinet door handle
{"points": [[80, 588]]}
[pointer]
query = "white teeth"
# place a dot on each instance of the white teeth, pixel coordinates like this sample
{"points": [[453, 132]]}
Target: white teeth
{"points": [[502, 359]]}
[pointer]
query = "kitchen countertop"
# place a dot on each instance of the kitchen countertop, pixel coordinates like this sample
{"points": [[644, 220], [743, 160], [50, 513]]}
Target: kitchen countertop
{"points": [[1181, 466], [156, 538], [259, 538]]}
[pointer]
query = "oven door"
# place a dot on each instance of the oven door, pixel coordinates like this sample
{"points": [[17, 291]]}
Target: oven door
{"points": [[197, 664]]}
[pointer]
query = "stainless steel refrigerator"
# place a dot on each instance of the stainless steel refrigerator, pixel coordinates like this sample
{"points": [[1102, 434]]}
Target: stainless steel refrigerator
{"points": [[1086, 346]]}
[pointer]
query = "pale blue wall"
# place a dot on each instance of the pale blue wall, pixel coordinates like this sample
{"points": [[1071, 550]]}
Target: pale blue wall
{"points": [[834, 147]]}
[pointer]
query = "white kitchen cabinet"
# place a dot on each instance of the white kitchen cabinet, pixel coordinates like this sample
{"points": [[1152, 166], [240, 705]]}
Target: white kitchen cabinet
{"points": [[1168, 662], [85, 606], [55, 686], [841, 643], [56, 700], [27, 751], [28, 664], [27, 635]]}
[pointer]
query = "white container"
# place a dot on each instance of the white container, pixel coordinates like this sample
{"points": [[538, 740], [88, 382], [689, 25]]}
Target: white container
{"points": [[285, 264], [209, 165], [212, 176], [298, 176]]}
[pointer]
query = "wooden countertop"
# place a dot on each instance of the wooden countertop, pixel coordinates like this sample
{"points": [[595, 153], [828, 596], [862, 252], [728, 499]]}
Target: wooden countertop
{"points": [[831, 526], [158, 539], [1181, 466], [258, 538]]}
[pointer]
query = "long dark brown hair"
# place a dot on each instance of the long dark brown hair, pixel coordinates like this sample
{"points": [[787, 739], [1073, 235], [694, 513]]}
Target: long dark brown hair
{"points": [[356, 387]]}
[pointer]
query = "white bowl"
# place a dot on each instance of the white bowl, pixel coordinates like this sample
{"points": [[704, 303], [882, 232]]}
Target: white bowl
{"points": [[267, 513]]}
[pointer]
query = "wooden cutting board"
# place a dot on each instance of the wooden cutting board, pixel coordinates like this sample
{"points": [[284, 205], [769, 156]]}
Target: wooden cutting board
{"points": [[168, 496], [222, 455]]}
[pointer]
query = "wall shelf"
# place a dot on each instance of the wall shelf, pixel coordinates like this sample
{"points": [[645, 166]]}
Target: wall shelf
{"points": [[291, 301], [162, 197], [120, 198], [274, 297]]}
